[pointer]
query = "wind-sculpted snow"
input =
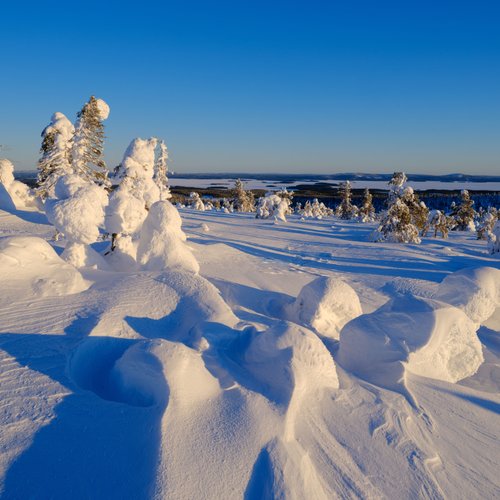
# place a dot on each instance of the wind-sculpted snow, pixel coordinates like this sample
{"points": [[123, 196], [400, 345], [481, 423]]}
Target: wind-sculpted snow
{"points": [[326, 304], [423, 336], [476, 291], [29, 267]]}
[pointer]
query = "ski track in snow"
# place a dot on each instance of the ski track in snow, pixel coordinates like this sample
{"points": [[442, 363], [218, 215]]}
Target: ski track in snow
{"points": [[166, 385]]}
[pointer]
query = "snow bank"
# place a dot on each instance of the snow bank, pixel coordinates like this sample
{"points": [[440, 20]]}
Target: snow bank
{"points": [[162, 242], [423, 336], [326, 304], [475, 290], [29, 266]]}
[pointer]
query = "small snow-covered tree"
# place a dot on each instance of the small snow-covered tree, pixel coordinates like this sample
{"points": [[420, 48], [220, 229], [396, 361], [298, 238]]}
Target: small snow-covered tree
{"points": [[267, 206], [486, 223], [55, 160], [243, 201], [14, 194], [88, 142], [464, 213], [195, 202], [418, 210], [494, 240], [437, 221], [284, 194], [396, 224], [346, 210], [367, 211]]}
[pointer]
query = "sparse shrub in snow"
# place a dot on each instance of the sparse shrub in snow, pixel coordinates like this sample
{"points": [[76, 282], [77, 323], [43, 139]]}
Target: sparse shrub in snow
{"points": [[346, 210], [464, 213], [55, 160], [243, 201], [494, 240], [162, 241], [476, 291], [77, 212], [326, 304], [367, 210], [437, 221], [486, 223], [423, 336], [13, 194], [87, 154], [397, 224], [195, 202]]}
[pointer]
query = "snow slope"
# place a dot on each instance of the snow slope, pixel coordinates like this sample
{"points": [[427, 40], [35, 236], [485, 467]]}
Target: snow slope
{"points": [[171, 384]]}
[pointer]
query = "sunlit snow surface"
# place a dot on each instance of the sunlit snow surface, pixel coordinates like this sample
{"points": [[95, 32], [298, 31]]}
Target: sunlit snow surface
{"points": [[231, 384]]}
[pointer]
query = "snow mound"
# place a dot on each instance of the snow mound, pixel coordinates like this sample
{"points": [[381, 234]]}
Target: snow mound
{"points": [[30, 264], [288, 361], [162, 243], [475, 290], [6, 202], [423, 336], [326, 304]]}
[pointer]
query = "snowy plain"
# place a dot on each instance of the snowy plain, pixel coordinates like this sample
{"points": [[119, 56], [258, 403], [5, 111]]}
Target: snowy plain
{"points": [[222, 384]]}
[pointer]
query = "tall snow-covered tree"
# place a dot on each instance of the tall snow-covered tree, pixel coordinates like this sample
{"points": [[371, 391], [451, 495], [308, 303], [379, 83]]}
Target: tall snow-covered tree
{"points": [[396, 224], [88, 142], [55, 160], [161, 170], [367, 210], [346, 210]]}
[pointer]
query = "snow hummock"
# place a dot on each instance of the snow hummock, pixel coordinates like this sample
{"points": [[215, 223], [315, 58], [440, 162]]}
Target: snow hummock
{"points": [[423, 336], [162, 242], [474, 290], [326, 304], [29, 267]]}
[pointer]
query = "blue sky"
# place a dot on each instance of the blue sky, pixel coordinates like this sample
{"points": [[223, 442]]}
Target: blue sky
{"points": [[256, 86]]}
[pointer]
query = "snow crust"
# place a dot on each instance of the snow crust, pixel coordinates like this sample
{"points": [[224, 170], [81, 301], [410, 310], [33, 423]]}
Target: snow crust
{"points": [[326, 304], [423, 336], [476, 291]]}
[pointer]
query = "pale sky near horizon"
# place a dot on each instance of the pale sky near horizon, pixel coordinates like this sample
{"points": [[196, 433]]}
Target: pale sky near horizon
{"points": [[240, 86]]}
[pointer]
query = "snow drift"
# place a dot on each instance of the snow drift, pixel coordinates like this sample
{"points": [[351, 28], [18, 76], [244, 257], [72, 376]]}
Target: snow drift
{"points": [[423, 336], [476, 291], [326, 304], [29, 267]]}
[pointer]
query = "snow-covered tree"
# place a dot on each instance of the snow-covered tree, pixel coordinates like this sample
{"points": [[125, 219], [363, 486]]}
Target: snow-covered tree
{"points": [[161, 170], [87, 154], [439, 222], [271, 205], [494, 240], [14, 194], [284, 194], [486, 222], [346, 210], [367, 211], [55, 160], [418, 210], [464, 213], [243, 201], [77, 212], [195, 202], [396, 224]]}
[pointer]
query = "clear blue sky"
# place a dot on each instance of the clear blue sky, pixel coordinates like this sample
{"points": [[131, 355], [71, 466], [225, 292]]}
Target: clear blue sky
{"points": [[267, 86]]}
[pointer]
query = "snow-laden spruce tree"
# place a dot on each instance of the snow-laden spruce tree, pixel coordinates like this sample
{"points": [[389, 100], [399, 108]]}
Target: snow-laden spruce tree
{"points": [[346, 210], [418, 210], [195, 202], [367, 210], [437, 221], [243, 201], [161, 170], [396, 224], [284, 194], [77, 212], [464, 213], [55, 160], [136, 192], [87, 153]]}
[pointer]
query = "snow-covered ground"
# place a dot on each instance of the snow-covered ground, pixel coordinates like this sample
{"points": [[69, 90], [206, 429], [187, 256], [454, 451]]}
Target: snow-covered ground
{"points": [[236, 382]]}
